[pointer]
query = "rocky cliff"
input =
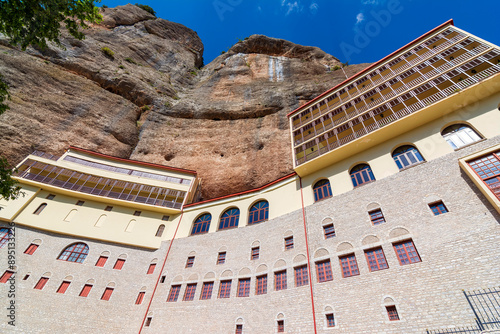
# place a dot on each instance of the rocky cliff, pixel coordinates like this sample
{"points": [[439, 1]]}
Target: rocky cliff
{"points": [[136, 88]]}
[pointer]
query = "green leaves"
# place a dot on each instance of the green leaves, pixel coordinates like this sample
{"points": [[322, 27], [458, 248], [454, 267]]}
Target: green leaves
{"points": [[28, 22], [4, 95], [8, 188]]}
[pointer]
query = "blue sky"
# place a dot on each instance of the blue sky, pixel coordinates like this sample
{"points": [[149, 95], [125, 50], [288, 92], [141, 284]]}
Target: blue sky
{"points": [[357, 31]]}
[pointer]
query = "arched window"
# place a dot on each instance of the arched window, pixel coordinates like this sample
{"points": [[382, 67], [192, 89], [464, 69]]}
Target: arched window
{"points": [[40, 209], [322, 190], [229, 219], [160, 230], [406, 156], [201, 224], [459, 135], [75, 253], [5, 234], [259, 212], [361, 174]]}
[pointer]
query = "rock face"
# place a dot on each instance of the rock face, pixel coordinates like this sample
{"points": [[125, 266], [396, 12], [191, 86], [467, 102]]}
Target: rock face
{"points": [[149, 100]]}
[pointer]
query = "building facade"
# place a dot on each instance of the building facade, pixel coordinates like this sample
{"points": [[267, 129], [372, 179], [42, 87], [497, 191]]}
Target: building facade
{"points": [[390, 219]]}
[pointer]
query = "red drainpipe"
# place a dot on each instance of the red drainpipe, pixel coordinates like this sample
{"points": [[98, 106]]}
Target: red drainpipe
{"points": [[161, 271], [308, 261]]}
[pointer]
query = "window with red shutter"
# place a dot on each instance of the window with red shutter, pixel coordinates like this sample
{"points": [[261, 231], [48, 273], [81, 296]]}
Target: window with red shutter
{"points": [[63, 287], [151, 268], [41, 283], [140, 298], [6, 276], [107, 294], [119, 264], [101, 261], [86, 290], [31, 249]]}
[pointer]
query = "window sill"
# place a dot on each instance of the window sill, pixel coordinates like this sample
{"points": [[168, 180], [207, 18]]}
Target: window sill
{"points": [[360, 185], [324, 198], [414, 165], [465, 146]]}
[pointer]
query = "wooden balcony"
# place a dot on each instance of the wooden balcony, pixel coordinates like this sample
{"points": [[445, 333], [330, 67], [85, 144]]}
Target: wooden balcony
{"points": [[99, 186]]}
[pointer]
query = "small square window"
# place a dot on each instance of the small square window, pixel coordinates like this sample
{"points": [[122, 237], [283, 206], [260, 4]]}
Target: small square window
{"points": [[119, 264], [107, 294], [63, 287], [101, 261], [406, 252], [324, 271], [244, 287], [41, 283], [330, 320], [206, 290], [261, 286], [255, 253], [137, 213], [86, 290], [140, 298], [289, 243], [24, 278], [165, 218], [50, 197], [221, 258], [190, 261], [329, 231], [151, 268], [392, 313], [377, 217], [189, 293], [301, 276], [376, 259], [80, 203], [349, 266], [281, 326], [31, 249], [438, 208], [108, 208], [174, 293], [163, 278], [280, 280], [225, 289], [239, 329]]}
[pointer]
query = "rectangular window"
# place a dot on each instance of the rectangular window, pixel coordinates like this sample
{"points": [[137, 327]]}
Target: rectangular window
{"points": [[221, 258], [107, 294], [148, 321], [289, 243], [24, 278], [239, 329], [406, 252], [140, 298], [244, 287], [108, 208], [225, 289], [162, 279], [280, 280], [392, 313], [377, 217], [255, 253], [50, 197], [189, 293], [165, 218], [63, 287], [349, 265], [151, 268], [281, 326], [438, 208], [324, 271], [101, 261], [190, 261], [31, 249], [330, 320], [137, 213], [301, 276], [261, 286], [40, 209], [376, 259], [206, 290], [86, 290], [119, 264], [329, 231], [174, 293], [80, 203], [6, 276], [41, 283]]}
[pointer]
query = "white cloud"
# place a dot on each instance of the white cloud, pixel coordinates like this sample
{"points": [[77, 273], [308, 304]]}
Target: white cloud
{"points": [[360, 18], [291, 6], [259, 8], [370, 2], [314, 8]]}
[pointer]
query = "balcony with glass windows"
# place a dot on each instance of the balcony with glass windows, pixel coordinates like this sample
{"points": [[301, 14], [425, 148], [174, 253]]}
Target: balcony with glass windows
{"points": [[408, 85]]}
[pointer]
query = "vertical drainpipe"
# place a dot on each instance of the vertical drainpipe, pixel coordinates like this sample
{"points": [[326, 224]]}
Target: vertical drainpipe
{"points": [[308, 257], [161, 271]]}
